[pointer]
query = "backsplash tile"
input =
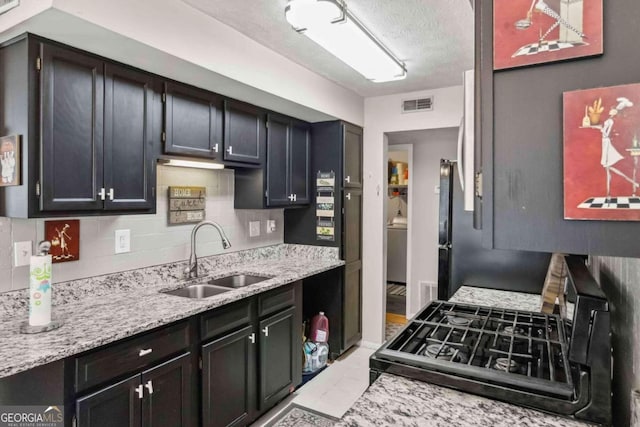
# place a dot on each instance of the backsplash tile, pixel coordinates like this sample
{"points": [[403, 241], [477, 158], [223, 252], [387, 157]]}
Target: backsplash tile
{"points": [[620, 280], [153, 241]]}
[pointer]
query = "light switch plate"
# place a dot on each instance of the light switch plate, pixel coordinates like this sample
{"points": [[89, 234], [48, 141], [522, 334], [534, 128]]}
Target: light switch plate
{"points": [[436, 190], [123, 241], [22, 252], [254, 228], [271, 226]]}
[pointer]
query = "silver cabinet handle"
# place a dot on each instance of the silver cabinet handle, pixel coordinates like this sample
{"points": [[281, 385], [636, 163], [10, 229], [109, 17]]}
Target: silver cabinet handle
{"points": [[111, 194], [101, 194], [230, 150], [295, 197], [348, 196], [348, 179], [149, 386], [144, 352], [140, 391], [252, 338], [266, 331], [215, 148]]}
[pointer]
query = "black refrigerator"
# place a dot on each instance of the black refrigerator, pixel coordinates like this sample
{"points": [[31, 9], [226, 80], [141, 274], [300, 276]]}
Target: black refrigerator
{"points": [[463, 261]]}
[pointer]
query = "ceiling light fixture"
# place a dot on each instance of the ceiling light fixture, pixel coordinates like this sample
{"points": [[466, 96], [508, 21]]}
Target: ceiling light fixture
{"points": [[200, 164], [332, 26]]}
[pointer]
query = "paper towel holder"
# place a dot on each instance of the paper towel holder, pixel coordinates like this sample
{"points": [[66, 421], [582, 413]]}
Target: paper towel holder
{"points": [[25, 328]]}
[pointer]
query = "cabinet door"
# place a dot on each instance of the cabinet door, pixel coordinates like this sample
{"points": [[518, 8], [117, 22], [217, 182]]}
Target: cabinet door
{"points": [[129, 175], [167, 391], [244, 132], [72, 103], [280, 342], [193, 121], [352, 306], [116, 405], [352, 161], [299, 162], [278, 142], [229, 379], [352, 225]]}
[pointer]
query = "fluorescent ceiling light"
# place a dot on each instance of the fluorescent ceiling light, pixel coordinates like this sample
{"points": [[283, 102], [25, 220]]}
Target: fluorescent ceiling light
{"points": [[201, 164], [332, 26]]}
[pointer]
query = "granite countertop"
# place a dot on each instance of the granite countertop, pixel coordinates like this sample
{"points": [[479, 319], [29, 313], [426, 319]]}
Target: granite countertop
{"points": [[495, 298], [104, 309], [398, 401]]}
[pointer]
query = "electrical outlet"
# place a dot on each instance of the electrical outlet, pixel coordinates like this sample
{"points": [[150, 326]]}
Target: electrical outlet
{"points": [[123, 241], [271, 226], [22, 252], [254, 228]]}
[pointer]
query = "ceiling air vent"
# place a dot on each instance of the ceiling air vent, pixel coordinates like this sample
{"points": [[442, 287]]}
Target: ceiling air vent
{"points": [[415, 105]]}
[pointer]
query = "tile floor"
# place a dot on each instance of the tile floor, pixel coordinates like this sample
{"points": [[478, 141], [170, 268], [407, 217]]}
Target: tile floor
{"points": [[333, 391]]}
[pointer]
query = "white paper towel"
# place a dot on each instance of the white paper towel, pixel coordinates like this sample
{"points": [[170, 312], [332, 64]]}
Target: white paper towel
{"points": [[40, 290]]}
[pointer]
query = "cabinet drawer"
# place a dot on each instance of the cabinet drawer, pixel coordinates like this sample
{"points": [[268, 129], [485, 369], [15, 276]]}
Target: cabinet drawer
{"points": [[226, 318], [276, 300], [120, 358]]}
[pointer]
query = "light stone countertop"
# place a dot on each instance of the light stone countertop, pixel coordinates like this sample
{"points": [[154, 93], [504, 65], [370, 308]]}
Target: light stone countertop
{"points": [[103, 309], [496, 298]]}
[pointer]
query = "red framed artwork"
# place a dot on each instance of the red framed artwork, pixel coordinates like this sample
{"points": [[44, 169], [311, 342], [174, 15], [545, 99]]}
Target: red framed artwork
{"points": [[64, 236], [602, 153], [528, 32]]}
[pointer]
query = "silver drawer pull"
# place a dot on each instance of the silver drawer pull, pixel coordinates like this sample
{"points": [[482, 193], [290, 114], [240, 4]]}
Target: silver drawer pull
{"points": [[252, 338], [266, 331], [348, 196], [348, 179], [111, 194], [140, 391], [144, 352], [149, 386]]}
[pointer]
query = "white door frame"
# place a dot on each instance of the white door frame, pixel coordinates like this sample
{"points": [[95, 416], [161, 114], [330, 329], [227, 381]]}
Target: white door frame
{"points": [[410, 288]]}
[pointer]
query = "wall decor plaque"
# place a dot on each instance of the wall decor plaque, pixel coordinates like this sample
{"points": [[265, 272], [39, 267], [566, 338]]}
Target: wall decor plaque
{"points": [[10, 160], [187, 205], [64, 236]]}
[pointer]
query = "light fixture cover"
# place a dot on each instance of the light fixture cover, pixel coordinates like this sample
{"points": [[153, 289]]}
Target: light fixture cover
{"points": [[332, 26], [199, 164]]}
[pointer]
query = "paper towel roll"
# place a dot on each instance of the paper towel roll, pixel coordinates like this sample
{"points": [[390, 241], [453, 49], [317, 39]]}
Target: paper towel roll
{"points": [[40, 290]]}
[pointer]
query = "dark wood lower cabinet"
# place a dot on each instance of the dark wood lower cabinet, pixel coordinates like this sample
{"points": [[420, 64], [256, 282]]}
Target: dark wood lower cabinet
{"points": [[279, 342], [158, 397], [167, 394], [229, 379], [352, 320], [115, 405]]}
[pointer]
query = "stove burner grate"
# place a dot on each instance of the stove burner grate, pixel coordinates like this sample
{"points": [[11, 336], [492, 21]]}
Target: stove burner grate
{"points": [[505, 364], [513, 330], [438, 351]]}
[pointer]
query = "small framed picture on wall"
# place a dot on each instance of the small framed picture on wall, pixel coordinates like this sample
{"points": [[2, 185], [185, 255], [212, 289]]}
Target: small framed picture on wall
{"points": [[10, 160]]}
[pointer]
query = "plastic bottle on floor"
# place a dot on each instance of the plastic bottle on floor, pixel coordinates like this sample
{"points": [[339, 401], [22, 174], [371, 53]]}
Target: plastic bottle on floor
{"points": [[319, 332]]}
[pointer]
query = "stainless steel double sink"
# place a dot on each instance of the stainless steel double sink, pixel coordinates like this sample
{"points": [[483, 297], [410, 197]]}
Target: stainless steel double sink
{"points": [[216, 286]]}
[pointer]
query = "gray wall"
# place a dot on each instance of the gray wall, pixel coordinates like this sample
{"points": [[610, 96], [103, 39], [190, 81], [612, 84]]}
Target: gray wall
{"points": [[153, 242], [620, 280]]}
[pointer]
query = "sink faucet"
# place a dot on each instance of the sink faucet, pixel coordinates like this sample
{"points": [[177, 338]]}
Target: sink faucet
{"points": [[192, 270]]}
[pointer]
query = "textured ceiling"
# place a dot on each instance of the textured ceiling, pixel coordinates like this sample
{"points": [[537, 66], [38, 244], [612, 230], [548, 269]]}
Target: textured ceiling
{"points": [[433, 37]]}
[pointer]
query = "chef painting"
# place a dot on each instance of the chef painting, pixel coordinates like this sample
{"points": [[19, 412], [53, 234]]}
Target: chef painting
{"points": [[9, 160], [530, 32], [601, 153]]}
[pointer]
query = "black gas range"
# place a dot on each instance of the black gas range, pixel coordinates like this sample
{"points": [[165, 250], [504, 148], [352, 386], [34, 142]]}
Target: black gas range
{"points": [[558, 363]]}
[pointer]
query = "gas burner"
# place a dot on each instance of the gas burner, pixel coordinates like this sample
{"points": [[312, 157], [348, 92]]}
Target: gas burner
{"points": [[506, 365], [437, 351], [513, 330], [458, 321]]}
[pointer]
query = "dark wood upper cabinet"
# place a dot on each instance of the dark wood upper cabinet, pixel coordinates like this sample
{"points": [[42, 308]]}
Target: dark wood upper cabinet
{"points": [[300, 162], [167, 391], [229, 379], [129, 162], [278, 191], [115, 405], [352, 160], [244, 132], [285, 179], [352, 225], [71, 105], [193, 121], [279, 344]]}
